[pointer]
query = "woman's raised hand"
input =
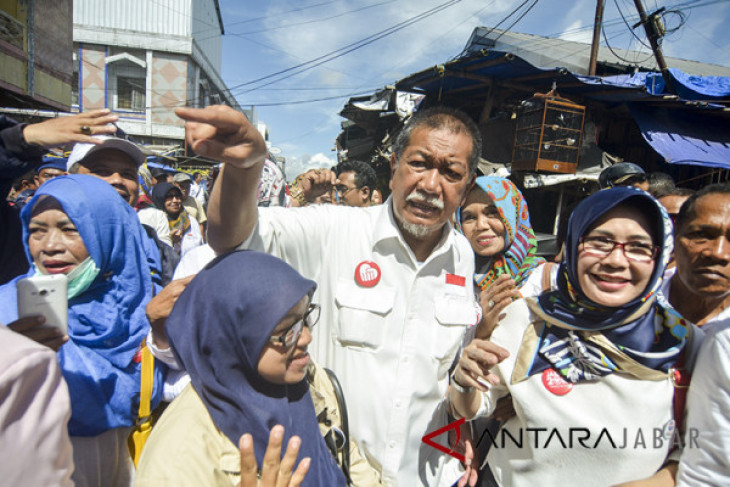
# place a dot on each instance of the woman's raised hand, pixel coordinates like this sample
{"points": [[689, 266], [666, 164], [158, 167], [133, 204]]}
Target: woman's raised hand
{"points": [[493, 300], [476, 362], [276, 471]]}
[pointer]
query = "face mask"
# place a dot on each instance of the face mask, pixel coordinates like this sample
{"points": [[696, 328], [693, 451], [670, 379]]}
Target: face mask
{"points": [[81, 277]]}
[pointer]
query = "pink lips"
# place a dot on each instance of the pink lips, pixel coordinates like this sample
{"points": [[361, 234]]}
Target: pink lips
{"points": [[485, 241], [56, 267], [301, 360]]}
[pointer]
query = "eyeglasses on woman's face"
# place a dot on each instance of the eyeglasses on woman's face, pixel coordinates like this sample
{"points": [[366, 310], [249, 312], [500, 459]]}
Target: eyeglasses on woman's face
{"points": [[291, 336], [635, 251]]}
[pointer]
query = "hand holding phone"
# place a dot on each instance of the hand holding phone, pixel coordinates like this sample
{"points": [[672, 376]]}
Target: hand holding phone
{"points": [[32, 327], [45, 295]]}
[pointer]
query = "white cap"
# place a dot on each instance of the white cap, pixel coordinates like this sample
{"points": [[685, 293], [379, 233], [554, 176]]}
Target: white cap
{"points": [[82, 150]]}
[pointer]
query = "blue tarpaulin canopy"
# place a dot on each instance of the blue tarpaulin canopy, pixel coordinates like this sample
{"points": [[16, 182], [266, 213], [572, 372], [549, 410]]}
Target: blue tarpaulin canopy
{"points": [[683, 137], [689, 126]]}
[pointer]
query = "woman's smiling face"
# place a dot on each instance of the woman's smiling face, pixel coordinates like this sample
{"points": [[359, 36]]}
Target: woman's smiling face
{"points": [[482, 224], [614, 280]]}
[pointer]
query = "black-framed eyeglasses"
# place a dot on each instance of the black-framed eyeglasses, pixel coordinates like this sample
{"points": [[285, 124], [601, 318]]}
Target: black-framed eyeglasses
{"points": [[342, 190], [634, 251], [291, 337]]}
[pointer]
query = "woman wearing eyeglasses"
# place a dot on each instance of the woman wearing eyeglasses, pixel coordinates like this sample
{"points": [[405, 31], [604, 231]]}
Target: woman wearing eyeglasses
{"points": [[241, 330], [589, 366]]}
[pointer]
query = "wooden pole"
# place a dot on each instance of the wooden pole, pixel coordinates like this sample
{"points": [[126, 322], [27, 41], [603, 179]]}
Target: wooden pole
{"points": [[596, 38], [654, 36]]}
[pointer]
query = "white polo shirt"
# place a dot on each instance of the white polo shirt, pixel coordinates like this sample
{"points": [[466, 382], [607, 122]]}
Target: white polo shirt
{"points": [[391, 344]]}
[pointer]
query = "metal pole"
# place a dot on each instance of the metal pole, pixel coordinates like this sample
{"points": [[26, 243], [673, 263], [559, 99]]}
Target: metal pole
{"points": [[596, 38], [654, 36]]}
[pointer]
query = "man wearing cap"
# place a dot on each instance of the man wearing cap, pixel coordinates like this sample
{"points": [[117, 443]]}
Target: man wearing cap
{"points": [[624, 174], [52, 167], [394, 280], [191, 205], [116, 161]]}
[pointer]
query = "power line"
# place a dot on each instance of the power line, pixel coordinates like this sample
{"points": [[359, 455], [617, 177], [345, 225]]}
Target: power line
{"points": [[299, 102], [627, 26], [517, 20], [299, 68], [484, 36], [305, 22]]}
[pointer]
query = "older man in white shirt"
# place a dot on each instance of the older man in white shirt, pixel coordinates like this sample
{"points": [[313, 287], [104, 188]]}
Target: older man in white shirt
{"points": [[395, 281]]}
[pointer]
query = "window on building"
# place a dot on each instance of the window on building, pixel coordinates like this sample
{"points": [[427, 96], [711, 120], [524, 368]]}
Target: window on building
{"points": [[127, 81], [130, 93]]}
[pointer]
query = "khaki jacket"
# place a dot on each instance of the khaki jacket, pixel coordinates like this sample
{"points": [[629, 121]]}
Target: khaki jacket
{"points": [[187, 449]]}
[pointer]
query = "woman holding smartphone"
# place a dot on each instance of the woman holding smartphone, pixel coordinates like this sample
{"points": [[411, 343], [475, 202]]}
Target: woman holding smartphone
{"points": [[79, 226]]}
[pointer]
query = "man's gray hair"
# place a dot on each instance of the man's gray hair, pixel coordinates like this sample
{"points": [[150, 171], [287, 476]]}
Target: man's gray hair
{"points": [[442, 117]]}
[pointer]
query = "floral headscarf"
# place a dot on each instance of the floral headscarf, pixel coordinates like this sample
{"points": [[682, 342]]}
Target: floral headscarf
{"points": [[519, 257]]}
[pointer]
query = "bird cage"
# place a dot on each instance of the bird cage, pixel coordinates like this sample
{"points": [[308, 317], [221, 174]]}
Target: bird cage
{"points": [[548, 135]]}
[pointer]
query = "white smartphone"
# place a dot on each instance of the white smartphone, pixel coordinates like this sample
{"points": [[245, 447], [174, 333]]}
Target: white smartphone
{"points": [[45, 295]]}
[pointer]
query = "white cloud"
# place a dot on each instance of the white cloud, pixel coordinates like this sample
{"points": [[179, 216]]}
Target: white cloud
{"points": [[311, 128], [296, 165], [571, 33]]}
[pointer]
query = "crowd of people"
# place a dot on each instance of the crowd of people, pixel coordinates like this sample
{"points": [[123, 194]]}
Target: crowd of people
{"points": [[313, 334]]}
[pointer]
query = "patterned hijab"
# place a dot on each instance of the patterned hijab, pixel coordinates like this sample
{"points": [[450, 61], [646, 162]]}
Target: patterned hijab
{"points": [[583, 340], [519, 257], [218, 330]]}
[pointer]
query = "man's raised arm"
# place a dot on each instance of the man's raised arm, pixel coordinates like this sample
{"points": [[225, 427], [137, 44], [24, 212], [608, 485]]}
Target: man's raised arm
{"points": [[221, 133]]}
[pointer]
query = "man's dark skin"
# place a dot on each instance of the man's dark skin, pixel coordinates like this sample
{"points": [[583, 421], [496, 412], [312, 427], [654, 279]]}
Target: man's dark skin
{"points": [[701, 288]]}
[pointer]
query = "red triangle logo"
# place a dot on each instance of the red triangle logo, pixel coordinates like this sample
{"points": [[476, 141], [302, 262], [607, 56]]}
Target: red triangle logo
{"points": [[456, 426]]}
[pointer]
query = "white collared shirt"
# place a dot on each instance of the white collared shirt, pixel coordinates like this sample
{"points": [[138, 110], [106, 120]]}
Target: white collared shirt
{"points": [[391, 345]]}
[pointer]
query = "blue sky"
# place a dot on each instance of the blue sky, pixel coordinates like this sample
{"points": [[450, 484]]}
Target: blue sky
{"points": [[269, 36]]}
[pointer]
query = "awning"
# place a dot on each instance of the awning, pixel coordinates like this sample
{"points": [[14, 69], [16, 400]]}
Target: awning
{"points": [[684, 137]]}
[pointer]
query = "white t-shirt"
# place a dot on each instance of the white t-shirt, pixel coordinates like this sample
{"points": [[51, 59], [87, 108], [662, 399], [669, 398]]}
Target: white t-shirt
{"points": [[707, 462], [156, 219], [533, 285], [390, 344], [192, 238]]}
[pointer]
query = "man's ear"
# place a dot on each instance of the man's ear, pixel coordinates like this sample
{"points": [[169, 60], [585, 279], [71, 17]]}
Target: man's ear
{"points": [[393, 164], [469, 186], [365, 193]]}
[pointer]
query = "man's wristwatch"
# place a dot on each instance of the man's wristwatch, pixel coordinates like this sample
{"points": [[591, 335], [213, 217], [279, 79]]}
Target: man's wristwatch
{"points": [[458, 387]]}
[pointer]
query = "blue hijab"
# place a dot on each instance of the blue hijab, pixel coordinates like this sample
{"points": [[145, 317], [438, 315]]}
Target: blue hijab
{"points": [[107, 322], [218, 329], [583, 340]]}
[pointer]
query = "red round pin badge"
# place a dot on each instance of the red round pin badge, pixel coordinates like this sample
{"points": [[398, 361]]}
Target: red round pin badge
{"points": [[367, 273], [555, 383]]}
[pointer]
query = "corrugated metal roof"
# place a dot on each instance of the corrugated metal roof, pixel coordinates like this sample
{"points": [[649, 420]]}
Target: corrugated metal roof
{"points": [[548, 52]]}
